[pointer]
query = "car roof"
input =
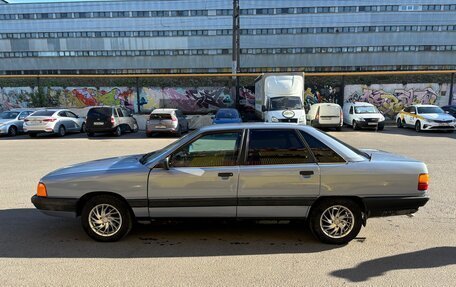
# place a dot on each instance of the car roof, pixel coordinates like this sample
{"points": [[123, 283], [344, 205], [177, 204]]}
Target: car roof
{"points": [[321, 104], [20, 110], [164, 111], [421, 105], [362, 104], [253, 126]]}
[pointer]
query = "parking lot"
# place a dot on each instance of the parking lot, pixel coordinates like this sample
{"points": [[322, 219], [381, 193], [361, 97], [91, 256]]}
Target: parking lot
{"points": [[394, 251]]}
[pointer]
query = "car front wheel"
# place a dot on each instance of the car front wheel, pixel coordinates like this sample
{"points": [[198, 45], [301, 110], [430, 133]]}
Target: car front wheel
{"points": [[106, 218], [335, 221], [418, 126]]}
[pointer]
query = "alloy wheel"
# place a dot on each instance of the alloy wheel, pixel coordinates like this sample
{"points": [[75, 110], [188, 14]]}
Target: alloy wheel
{"points": [[105, 220], [337, 221]]}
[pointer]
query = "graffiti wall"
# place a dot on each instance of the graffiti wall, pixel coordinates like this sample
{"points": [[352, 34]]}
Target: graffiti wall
{"points": [[321, 94], [17, 97], [391, 98], [189, 100]]}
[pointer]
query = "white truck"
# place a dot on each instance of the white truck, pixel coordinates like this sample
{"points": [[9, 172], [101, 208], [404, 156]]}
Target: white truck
{"points": [[279, 98]]}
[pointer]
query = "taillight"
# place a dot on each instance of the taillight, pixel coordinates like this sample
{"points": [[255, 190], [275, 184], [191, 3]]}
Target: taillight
{"points": [[423, 181], [112, 119], [174, 118], [50, 120], [317, 116], [41, 190]]}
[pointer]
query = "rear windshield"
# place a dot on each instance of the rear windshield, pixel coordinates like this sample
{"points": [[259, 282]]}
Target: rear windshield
{"points": [[43, 113], [227, 114], [100, 112], [160, 117]]}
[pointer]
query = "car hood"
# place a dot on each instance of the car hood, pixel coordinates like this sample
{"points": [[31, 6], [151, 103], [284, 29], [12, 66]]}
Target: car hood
{"points": [[101, 165], [441, 117], [6, 121], [379, 155]]}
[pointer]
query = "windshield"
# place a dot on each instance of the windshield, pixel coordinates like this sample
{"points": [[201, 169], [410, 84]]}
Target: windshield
{"points": [[285, 103], [148, 156], [366, 110], [430, 110], [227, 114], [8, 115]]}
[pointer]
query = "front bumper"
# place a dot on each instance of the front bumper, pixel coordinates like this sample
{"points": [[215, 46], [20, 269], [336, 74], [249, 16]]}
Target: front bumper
{"points": [[393, 205], [438, 126], [66, 207], [365, 124]]}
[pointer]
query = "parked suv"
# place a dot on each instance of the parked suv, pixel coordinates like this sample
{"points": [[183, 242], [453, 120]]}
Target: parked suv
{"points": [[325, 115], [166, 121], [114, 120], [53, 121], [12, 122]]}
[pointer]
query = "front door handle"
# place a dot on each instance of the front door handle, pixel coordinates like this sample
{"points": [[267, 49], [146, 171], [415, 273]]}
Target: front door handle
{"points": [[306, 172], [225, 174]]}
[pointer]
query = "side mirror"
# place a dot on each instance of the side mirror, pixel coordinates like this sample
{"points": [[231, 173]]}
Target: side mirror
{"points": [[165, 163], [447, 112], [263, 108]]}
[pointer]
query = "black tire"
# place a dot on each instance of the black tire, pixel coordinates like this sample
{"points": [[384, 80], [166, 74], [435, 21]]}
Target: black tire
{"points": [[122, 210], [61, 131], [32, 135], [118, 131], [339, 129], [380, 127], [90, 134], [179, 131], [12, 131], [349, 208], [83, 128], [149, 135], [399, 123], [417, 126], [355, 126], [135, 128]]}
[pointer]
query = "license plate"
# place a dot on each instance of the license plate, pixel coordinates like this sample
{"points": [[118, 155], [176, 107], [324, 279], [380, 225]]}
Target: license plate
{"points": [[444, 125], [372, 124], [98, 123], [34, 123], [160, 127]]}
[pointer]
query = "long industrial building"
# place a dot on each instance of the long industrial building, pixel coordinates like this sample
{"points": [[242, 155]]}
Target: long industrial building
{"points": [[195, 36]]}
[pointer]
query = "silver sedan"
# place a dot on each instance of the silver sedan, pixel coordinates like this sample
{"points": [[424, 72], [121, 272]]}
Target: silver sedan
{"points": [[12, 122], [240, 171], [53, 121]]}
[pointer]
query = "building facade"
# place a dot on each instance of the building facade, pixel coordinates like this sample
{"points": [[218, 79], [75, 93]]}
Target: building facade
{"points": [[195, 36]]}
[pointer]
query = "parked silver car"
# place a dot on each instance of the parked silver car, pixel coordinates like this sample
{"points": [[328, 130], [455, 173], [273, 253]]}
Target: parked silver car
{"points": [[166, 121], [12, 122], [53, 121], [245, 171]]}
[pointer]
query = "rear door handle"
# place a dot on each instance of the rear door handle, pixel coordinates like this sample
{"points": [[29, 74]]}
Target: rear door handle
{"points": [[225, 174], [306, 172]]}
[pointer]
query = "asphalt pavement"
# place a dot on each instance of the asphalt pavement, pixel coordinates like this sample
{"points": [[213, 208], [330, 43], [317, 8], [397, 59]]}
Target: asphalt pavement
{"points": [[38, 250]]}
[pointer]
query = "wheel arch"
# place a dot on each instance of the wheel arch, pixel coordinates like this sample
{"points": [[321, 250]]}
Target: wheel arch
{"points": [[82, 201], [358, 200]]}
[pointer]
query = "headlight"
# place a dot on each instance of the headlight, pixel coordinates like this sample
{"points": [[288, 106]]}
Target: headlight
{"points": [[361, 119], [382, 118], [274, 120]]}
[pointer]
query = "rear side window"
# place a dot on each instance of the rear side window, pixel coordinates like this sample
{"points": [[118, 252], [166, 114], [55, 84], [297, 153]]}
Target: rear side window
{"points": [[43, 113], [99, 113], [322, 152], [160, 117], [119, 112], [271, 147]]}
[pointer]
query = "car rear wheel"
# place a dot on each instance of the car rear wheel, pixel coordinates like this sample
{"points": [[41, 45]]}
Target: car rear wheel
{"points": [[335, 221], [61, 132], [399, 123], [12, 131], [418, 126], [338, 128], [118, 131], [135, 128], [90, 134], [106, 218], [83, 128]]}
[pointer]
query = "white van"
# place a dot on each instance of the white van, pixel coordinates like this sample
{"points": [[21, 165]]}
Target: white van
{"points": [[363, 115], [325, 115]]}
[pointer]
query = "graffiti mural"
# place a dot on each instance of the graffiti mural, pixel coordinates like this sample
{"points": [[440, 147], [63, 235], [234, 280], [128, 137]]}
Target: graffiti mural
{"points": [[17, 97], [320, 94], [391, 98], [79, 97], [189, 100]]}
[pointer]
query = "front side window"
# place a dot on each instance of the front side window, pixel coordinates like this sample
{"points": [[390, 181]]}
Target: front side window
{"points": [[218, 149], [322, 152], [272, 147], [8, 115]]}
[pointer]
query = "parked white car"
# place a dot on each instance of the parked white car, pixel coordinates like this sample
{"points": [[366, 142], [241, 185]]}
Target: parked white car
{"points": [[53, 121], [425, 118], [363, 115], [325, 115]]}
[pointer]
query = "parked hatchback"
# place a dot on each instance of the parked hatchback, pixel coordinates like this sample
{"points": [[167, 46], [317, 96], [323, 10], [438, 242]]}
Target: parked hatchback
{"points": [[12, 122], [227, 116], [325, 115], [53, 121], [115, 120], [166, 121]]}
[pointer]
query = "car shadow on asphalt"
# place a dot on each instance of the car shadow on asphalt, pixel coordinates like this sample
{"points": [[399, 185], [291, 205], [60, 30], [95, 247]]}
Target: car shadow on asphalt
{"points": [[427, 258], [27, 233]]}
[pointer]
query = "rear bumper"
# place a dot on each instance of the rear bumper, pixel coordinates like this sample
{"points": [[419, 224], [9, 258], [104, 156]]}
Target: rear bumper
{"points": [[56, 206], [39, 129], [393, 205], [155, 130]]}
